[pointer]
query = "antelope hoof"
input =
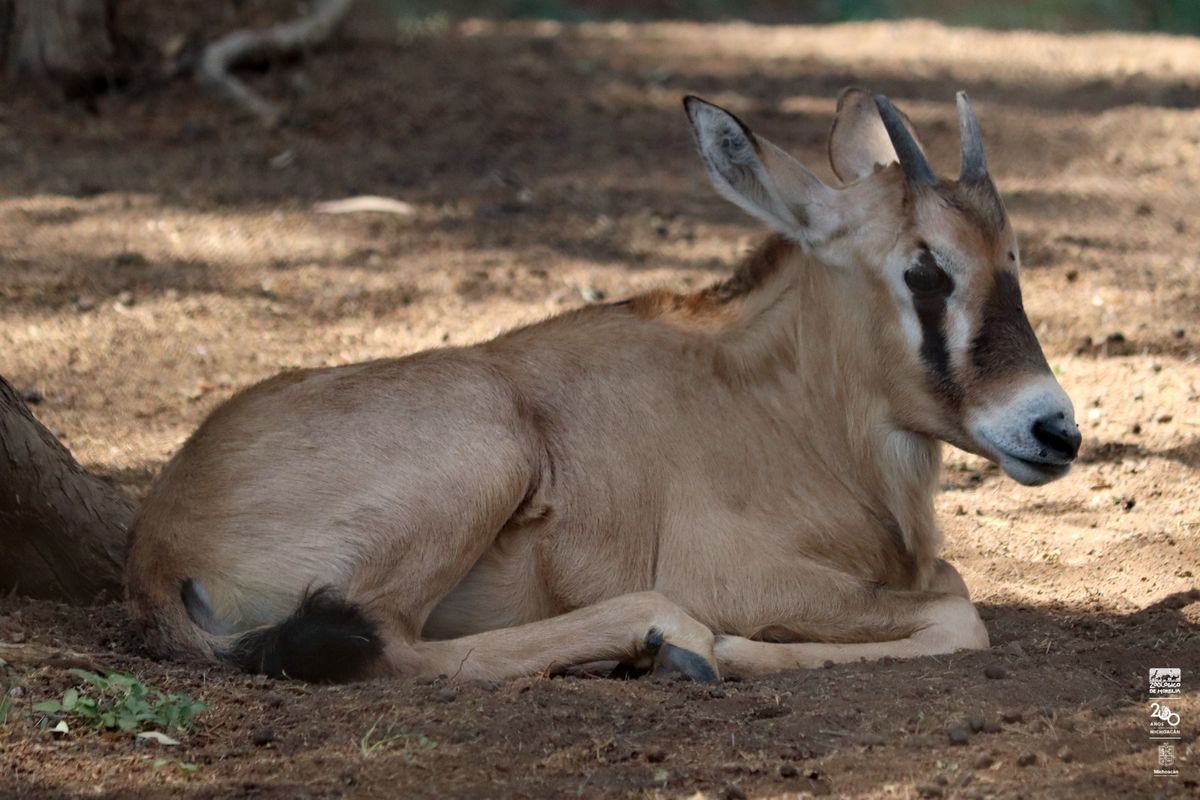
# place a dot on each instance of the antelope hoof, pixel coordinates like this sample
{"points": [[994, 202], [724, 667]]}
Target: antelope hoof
{"points": [[672, 658]]}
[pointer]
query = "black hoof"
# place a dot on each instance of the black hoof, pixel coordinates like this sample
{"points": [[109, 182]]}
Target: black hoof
{"points": [[669, 658]]}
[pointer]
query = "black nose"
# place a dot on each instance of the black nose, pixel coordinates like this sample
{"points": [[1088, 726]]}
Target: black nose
{"points": [[1058, 435]]}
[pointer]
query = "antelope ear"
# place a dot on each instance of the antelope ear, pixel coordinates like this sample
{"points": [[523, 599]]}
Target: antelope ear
{"points": [[859, 141], [756, 175]]}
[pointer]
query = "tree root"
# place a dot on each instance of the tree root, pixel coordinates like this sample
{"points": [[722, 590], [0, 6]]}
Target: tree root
{"points": [[30, 656], [213, 70]]}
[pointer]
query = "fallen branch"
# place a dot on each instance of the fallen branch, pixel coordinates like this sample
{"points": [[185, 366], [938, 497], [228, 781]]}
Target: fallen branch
{"points": [[31, 656], [223, 55]]}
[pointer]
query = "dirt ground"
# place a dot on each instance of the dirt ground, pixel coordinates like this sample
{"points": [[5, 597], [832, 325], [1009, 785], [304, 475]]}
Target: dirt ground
{"points": [[162, 254]]}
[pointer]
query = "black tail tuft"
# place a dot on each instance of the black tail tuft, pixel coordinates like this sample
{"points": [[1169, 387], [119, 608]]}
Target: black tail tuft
{"points": [[327, 640]]}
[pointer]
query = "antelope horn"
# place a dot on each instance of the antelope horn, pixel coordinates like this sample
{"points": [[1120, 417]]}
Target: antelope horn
{"points": [[974, 165], [916, 168]]}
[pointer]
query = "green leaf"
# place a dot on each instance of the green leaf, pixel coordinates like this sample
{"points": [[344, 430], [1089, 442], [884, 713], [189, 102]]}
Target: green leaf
{"points": [[70, 698], [48, 707], [90, 677]]}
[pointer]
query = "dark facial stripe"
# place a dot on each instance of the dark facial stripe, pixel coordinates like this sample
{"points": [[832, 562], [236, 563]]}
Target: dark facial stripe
{"points": [[1006, 341], [931, 313]]}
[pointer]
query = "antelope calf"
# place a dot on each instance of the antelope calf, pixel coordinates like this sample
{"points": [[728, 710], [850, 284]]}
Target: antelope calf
{"points": [[738, 479]]}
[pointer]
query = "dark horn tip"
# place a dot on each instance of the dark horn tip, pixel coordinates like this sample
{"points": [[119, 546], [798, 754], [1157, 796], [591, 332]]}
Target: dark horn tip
{"points": [[912, 160]]}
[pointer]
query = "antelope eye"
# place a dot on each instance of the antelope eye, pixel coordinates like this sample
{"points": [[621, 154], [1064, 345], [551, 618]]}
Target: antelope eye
{"points": [[926, 277]]}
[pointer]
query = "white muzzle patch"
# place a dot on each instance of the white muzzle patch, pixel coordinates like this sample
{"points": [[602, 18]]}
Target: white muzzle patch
{"points": [[1032, 435]]}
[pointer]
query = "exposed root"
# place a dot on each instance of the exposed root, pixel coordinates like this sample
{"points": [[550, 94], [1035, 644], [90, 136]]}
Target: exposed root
{"points": [[30, 656], [220, 57]]}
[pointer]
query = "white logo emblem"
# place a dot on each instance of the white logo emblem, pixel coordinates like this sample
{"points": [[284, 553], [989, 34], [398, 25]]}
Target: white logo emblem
{"points": [[1165, 680]]}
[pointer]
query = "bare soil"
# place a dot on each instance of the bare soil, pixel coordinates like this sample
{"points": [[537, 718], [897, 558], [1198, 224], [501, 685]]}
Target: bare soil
{"points": [[161, 254]]}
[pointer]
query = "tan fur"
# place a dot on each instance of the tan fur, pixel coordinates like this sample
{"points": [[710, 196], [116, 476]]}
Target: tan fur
{"points": [[755, 460]]}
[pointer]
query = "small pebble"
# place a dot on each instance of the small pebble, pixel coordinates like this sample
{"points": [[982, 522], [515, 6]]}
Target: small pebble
{"points": [[995, 671], [991, 726], [959, 736], [1026, 759], [983, 761], [976, 724], [788, 771], [263, 737], [446, 695]]}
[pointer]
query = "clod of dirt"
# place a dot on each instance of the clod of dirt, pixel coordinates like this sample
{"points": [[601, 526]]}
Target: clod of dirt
{"points": [[446, 695], [788, 771], [928, 790], [263, 737], [983, 761], [976, 724], [959, 735], [1026, 759], [655, 756], [995, 671], [1012, 717], [991, 726]]}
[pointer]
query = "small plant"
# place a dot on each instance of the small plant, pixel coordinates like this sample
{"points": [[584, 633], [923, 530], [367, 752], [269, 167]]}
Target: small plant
{"points": [[6, 704], [186, 769], [122, 702], [369, 744]]}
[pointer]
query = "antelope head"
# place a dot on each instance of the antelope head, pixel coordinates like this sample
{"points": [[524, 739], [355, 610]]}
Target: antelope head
{"points": [[935, 264]]}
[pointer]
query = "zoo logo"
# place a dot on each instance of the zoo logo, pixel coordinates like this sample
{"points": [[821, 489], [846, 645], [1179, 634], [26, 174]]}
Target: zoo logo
{"points": [[1165, 680], [1165, 714]]}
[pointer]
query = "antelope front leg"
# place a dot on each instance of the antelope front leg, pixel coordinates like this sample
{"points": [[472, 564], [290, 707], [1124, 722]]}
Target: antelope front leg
{"points": [[919, 624], [642, 625]]}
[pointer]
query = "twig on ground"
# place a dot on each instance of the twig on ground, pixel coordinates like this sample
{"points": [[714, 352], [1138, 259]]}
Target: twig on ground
{"points": [[36, 655], [223, 55]]}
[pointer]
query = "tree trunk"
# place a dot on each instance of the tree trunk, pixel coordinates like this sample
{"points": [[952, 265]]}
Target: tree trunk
{"points": [[63, 531], [65, 41]]}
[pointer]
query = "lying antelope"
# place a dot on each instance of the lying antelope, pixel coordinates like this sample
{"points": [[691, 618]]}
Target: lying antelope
{"points": [[740, 479]]}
